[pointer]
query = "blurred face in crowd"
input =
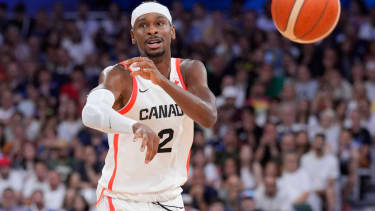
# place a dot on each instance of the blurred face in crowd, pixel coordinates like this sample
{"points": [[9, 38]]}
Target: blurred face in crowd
{"points": [[230, 167], [330, 58], [199, 159], [288, 143], [258, 90], [247, 204], [302, 139], [318, 145], [29, 151], [287, 114], [8, 199], [246, 155], [356, 119], [270, 186], [290, 162], [271, 169], [199, 138], [199, 177], [270, 131], [38, 199], [4, 171], [303, 73], [303, 106], [216, 206], [54, 179], [327, 118], [79, 203], [289, 92], [248, 120], [90, 155], [153, 33], [230, 139], [75, 180], [40, 171], [265, 74], [6, 100], [345, 137]]}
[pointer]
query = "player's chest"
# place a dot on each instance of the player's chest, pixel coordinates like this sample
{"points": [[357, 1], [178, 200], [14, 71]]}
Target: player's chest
{"points": [[154, 104]]}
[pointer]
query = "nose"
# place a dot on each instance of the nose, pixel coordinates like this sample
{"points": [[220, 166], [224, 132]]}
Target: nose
{"points": [[152, 30]]}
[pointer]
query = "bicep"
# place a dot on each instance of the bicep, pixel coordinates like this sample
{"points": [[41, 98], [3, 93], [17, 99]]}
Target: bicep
{"points": [[114, 79], [196, 79]]}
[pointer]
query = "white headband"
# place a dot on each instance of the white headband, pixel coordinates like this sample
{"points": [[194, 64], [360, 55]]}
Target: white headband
{"points": [[150, 7]]}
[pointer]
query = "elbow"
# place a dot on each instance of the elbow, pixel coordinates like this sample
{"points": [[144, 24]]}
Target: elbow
{"points": [[90, 116], [210, 120]]}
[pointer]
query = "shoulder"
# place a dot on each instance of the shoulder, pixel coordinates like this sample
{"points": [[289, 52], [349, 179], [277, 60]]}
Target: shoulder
{"points": [[193, 71], [191, 64], [114, 72]]}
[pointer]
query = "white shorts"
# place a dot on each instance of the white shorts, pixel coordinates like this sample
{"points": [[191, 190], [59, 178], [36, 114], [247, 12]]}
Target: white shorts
{"points": [[106, 203]]}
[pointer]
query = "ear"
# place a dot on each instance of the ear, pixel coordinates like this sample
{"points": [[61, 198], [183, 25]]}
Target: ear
{"points": [[134, 41], [173, 31]]}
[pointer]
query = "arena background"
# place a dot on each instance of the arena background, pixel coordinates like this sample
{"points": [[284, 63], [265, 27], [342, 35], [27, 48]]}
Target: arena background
{"points": [[275, 99]]}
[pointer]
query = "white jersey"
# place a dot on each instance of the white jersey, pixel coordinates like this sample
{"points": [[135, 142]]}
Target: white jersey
{"points": [[125, 174]]}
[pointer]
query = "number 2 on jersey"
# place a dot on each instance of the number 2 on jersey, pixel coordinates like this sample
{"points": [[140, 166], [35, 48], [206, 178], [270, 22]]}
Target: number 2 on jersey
{"points": [[161, 134]]}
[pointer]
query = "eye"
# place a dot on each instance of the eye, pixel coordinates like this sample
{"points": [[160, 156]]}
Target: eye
{"points": [[160, 23], [142, 25]]}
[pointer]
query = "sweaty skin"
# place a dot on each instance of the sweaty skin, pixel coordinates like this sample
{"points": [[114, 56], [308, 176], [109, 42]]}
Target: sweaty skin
{"points": [[198, 102]]}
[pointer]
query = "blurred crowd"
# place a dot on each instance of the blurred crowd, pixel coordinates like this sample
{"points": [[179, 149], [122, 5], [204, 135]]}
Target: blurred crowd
{"points": [[295, 122]]}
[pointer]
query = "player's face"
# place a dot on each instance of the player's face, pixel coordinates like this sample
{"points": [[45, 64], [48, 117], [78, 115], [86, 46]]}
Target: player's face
{"points": [[152, 33]]}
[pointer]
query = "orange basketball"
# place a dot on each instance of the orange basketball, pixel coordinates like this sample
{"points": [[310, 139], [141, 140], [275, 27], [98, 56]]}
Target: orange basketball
{"points": [[305, 21]]}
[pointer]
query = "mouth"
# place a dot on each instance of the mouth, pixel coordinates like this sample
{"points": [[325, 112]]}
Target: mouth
{"points": [[154, 43]]}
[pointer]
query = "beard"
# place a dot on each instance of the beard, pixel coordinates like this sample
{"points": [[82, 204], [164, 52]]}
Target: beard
{"points": [[154, 55]]}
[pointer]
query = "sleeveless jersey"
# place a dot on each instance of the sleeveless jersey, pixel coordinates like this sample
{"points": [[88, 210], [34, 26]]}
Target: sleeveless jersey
{"points": [[125, 174]]}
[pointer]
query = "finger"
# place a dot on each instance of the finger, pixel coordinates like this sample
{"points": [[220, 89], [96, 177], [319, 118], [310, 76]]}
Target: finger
{"points": [[142, 71], [140, 65], [149, 150], [144, 142], [133, 60]]}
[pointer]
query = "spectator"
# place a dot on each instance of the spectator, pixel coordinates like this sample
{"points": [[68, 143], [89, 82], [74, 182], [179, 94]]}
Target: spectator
{"points": [[329, 128], [10, 178], [37, 180], [54, 192], [250, 170], [37, 202], [272, 197], [324, 180], [296, 180], [247, 201], [306, 87], [9, 201]]}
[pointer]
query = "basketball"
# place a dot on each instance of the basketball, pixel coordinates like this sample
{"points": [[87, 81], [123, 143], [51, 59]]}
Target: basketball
{"points": [[305, 21]]}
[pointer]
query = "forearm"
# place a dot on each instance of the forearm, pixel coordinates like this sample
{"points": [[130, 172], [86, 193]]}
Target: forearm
{"points": [[98, 114], [197, 109]]}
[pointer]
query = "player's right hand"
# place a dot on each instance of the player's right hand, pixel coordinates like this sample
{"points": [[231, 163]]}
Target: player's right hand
{"points": [[149, 139]]}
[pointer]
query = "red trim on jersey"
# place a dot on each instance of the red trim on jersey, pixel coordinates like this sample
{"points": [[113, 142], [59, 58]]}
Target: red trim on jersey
{"points": [[178, 62], [100, 197], [133, 96], [111, 207], [188, 164], [115, 146]]}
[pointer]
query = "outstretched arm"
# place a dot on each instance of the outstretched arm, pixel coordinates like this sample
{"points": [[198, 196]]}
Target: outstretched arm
{"points": [[198, 102], [98, 112]]}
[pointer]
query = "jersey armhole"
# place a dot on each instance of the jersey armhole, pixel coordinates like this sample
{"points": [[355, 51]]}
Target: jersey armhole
{"points": [[178, 63], [133, 96]]}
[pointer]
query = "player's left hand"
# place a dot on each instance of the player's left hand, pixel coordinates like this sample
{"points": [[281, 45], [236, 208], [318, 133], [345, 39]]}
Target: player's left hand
{"points": [[144, 67]]}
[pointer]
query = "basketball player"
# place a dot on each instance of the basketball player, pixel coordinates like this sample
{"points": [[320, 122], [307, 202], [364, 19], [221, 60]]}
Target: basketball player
{"points": [[148, 102]]}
